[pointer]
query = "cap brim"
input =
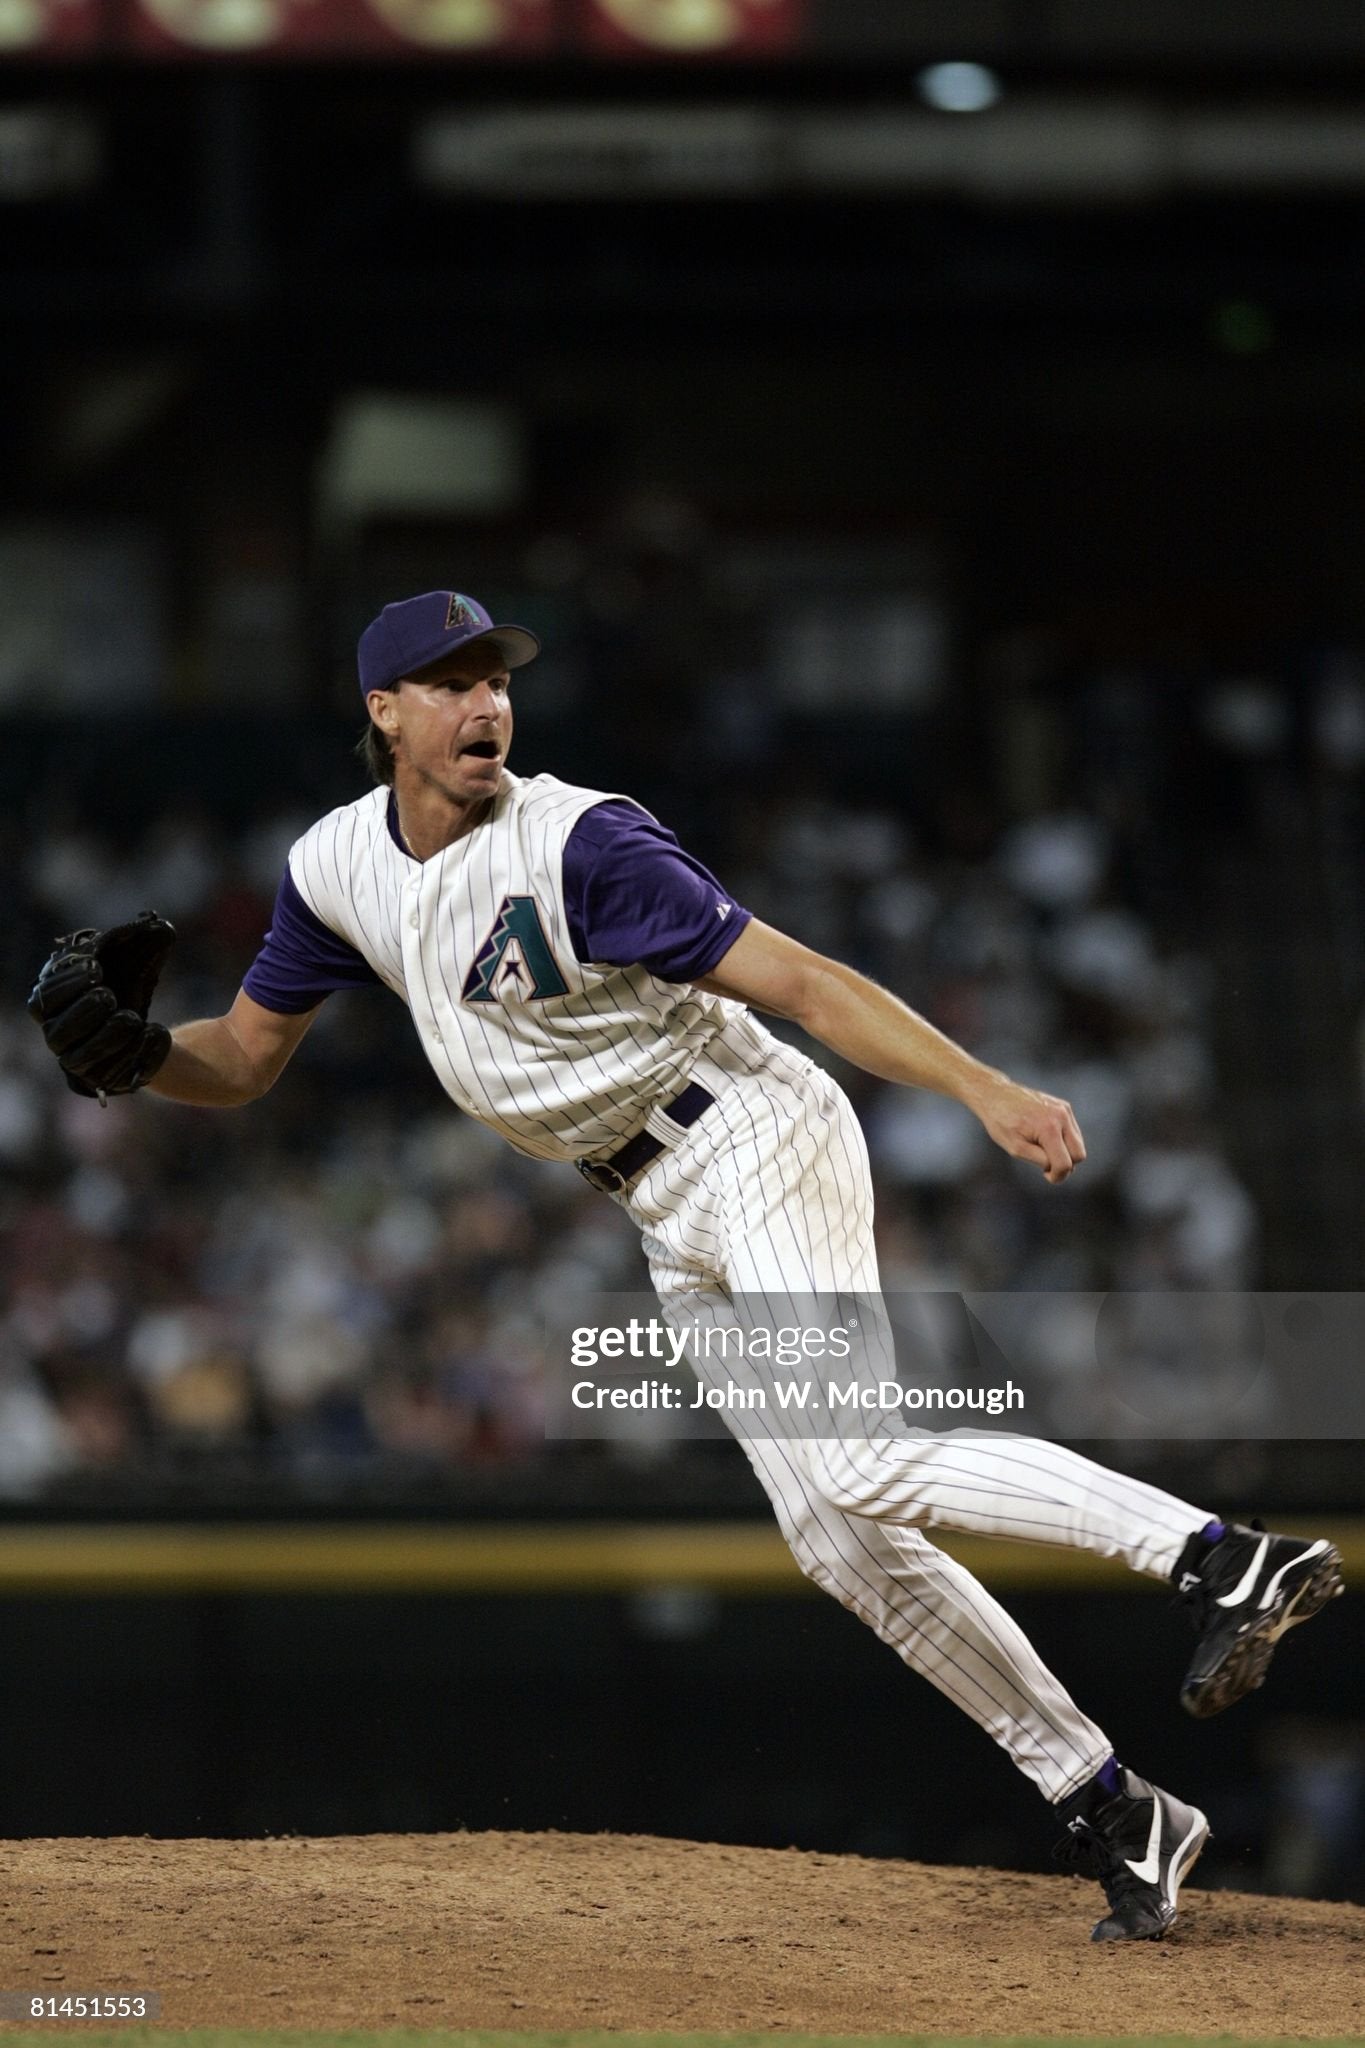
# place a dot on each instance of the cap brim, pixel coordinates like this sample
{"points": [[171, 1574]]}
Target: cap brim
{"points": [[514, 644]]}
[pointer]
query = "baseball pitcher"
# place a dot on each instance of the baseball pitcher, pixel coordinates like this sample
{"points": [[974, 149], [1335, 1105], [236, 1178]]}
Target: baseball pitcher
{"points": [[585, 987]]}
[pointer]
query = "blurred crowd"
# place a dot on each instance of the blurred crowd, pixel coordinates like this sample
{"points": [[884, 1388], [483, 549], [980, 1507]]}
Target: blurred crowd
{"points": [[345, 1278], [1064, 864]]}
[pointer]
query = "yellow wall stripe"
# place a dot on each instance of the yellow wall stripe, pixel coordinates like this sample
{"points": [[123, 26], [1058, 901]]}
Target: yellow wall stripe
{"points": [[728, 1557]]}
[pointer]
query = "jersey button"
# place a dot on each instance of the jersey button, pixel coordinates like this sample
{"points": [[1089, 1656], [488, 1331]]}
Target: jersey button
{"points": [[414, 920]]}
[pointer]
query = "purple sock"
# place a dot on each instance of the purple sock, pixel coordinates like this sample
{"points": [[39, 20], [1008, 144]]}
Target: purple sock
{"points": [[1106, 1784], [1214, 1532], [1106, 1779]]}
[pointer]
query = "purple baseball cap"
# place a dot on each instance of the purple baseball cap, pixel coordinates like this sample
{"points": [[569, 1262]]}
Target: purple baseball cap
{"points": [[408, 635]]}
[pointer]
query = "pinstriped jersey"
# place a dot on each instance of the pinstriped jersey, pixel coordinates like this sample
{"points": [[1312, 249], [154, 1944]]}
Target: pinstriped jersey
{"points": [[562, 1057]]}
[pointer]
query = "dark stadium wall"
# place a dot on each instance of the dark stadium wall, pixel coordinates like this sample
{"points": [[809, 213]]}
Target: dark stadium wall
{"points": [[757, 1721]]}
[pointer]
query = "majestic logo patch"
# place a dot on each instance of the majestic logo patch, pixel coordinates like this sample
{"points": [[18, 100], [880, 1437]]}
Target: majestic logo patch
{"points": [[516, 950], [458, 613]]}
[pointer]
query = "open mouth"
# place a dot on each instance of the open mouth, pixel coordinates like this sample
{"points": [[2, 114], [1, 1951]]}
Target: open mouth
{"points": [[483, 750]]}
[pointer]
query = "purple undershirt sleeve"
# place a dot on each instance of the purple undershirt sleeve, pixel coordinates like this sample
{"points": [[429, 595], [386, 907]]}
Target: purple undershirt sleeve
{"points": [[302, 960], [633, 897]]}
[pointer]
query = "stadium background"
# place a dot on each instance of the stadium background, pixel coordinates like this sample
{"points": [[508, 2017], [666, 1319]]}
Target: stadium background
{"points": [[951, 522]]}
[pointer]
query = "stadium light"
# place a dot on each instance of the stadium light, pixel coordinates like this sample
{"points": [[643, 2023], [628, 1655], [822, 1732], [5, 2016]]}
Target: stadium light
{"points": [[959, 88]]}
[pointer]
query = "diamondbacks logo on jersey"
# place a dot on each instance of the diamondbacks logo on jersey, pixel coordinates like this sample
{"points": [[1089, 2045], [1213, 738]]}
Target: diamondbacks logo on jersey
{"points": [[518, 951]]}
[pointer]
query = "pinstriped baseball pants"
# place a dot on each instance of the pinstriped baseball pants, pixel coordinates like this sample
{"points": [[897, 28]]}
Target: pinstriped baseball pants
{"points": [[770, 1194]]}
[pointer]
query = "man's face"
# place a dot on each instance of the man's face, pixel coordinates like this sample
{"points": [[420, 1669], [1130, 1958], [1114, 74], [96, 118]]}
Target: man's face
{"points": [[450, 725]]}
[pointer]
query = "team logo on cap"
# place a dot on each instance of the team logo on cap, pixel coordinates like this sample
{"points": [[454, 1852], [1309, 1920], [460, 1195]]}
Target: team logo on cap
{"points": [[458, 613]]}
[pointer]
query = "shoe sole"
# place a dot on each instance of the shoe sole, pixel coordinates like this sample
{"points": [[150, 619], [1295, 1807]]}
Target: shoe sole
{"points": [[1201, 1843], [1247, 1661]]}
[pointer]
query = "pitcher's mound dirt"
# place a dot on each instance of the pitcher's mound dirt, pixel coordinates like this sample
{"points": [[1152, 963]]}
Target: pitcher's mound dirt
{"points": [[563, 1931]]}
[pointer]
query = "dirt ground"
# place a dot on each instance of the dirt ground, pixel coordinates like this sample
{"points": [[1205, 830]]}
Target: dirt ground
{"points": [[562, 1931]]}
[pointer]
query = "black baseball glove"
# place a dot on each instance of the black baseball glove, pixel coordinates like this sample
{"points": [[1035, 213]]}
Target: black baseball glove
{"points": [[91, 1002]]}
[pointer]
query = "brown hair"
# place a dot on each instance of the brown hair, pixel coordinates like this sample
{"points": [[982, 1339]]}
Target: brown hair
{"points": [[374, 750]]}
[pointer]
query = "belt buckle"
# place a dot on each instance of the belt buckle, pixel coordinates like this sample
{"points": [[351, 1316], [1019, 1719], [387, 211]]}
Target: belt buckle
{"points": [[601, 1176]]}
